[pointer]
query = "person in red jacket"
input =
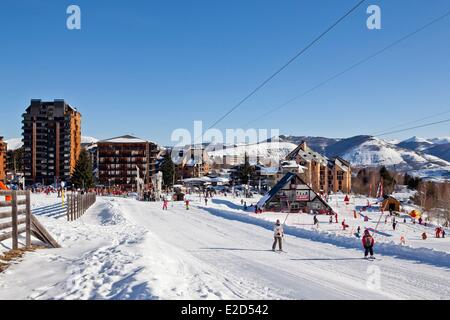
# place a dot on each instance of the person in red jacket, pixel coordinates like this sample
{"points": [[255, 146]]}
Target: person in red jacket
{"points": [[368, 243]]}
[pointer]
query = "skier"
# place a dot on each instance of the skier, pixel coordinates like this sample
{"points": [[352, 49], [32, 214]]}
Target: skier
{"points": [[344, 225], [278, 236], [336, 217], [316, 221], [165, 204], [206, 201], [358, 232], [394, 225], [443, 233], [424, 236], [368, 243], [245, 205], [331, 219], [438, 232], [187, 204]]}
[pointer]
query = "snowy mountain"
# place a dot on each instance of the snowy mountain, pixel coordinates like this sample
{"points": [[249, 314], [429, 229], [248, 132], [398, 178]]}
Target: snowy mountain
{"points": [[441, 140], [264, 150], [374, 152], [416, 144], [14, 144], [88, 140], [441, 150], [319, 144]]}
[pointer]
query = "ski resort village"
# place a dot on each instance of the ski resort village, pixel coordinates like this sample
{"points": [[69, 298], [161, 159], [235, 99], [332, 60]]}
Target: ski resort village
{"points": [[126, 218], [225, 154]]}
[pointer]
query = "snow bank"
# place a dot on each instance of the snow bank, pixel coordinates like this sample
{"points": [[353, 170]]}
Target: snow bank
{"points": [[423, 255]]}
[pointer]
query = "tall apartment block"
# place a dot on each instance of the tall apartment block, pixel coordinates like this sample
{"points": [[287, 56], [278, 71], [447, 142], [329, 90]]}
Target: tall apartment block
{"points": [[52, 141], [3, 151], [120, 158]]}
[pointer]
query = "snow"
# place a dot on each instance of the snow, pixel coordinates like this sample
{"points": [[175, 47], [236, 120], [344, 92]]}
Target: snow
{"points": [[126, 249], [376, 152], [441, 140], [88, 140], [418, 140], [14, 143], [124, 140], [264, 150]]}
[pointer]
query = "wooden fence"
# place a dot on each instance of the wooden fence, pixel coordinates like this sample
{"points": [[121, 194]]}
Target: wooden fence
{"points": [[20, 217], [77, 204]]}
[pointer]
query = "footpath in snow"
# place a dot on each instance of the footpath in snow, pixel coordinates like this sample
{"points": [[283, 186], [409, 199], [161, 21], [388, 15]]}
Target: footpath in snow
{"points": [[126, 249]]}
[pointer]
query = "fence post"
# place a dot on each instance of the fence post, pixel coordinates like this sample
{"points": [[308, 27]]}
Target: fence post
{"points": [[28, 220], [79, 206], [14, 231], [68, 207]]}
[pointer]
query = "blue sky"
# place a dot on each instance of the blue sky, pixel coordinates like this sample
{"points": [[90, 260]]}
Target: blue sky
{"points": [[148, 67]]}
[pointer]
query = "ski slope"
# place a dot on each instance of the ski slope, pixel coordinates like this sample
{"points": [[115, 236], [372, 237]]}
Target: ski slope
{"points": [[125, 249]]}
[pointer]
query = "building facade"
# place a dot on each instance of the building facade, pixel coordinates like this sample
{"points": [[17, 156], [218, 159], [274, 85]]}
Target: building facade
{"points": [[293, 194], [3, 151], [324, 175], [52, 141], [122, 159], [191, 162]]}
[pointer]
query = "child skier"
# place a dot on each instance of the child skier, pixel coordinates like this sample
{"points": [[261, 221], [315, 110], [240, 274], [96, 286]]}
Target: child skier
{"points": [[278, 236], [187, 204], [165, 204], [368, 243]]}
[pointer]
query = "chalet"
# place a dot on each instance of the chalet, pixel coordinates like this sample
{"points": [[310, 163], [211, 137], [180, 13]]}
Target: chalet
{"points": [[293, 194], [3, 148], [324, 175], [190, 162]]}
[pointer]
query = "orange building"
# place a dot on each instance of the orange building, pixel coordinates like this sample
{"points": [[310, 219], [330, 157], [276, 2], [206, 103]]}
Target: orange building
{"points": [[324, 175], [3, 149], [52, 141]]}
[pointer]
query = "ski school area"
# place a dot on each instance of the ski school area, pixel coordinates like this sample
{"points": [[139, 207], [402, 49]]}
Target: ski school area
{"points": [[122, 248]]}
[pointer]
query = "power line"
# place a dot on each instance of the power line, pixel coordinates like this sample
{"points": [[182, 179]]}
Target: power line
{"points": [[411, 128], [411, 122], [259, 87], [350, 68]]}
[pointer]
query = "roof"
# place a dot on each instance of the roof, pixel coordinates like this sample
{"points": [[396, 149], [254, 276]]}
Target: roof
{"points": [[124, 139], [306, 153], [283, 182]]}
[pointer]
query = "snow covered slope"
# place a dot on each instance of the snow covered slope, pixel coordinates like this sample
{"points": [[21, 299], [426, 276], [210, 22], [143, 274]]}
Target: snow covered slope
{"points": [[126, 249], [14, 143], [415, 144], [264, 150], [375, 152], [88, 140]]}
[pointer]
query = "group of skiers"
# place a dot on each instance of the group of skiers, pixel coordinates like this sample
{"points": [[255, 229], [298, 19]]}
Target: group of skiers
{"points": [[368, 241]]}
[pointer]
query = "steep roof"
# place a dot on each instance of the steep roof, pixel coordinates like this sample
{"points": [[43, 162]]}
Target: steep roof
{"points": [[288, 177], [306, 153]]}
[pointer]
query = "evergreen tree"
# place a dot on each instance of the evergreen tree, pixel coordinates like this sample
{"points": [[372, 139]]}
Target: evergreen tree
{"points": [[246, 170], [388, 180], [83, 176], [167, 169]]}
